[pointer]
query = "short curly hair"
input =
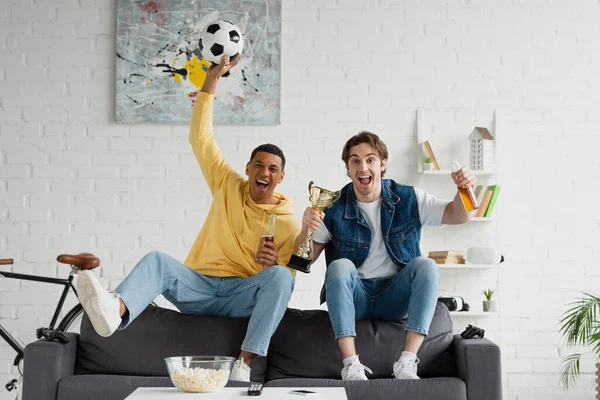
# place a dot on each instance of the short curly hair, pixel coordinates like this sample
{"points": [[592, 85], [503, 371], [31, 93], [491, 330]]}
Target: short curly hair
{"points": [[272, 149]]}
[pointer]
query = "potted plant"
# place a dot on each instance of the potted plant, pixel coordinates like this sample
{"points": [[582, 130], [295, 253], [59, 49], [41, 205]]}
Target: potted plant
{"points": [[428, 165], [488, 303], [580, 326]]}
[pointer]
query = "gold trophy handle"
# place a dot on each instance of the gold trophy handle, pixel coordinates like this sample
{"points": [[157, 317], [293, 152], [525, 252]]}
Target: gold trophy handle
{"points": [[310, 185], [336, 196]]}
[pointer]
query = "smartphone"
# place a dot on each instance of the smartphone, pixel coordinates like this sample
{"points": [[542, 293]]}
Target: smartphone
{"points": [[304, 392], [255, 389]]}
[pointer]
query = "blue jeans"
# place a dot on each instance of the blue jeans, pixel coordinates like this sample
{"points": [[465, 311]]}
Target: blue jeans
{"points": [[262, 297], [413, 292]]}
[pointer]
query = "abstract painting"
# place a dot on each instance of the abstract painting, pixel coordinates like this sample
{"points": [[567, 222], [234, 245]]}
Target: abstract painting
{"points": [[160, 67]]}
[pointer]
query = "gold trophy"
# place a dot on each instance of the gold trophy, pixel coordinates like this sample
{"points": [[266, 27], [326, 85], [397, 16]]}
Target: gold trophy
{"points": [[320, 199]]}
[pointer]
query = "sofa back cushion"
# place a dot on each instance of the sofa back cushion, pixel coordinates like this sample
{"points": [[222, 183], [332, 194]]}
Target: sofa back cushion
{"points": [[304, 346], [157, 333]]}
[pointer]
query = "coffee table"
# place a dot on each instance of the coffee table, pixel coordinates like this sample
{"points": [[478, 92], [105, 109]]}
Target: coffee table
{"points": [[268, 393]]}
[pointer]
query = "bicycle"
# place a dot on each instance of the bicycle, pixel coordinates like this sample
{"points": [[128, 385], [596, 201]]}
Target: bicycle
{"points": [[78, 262]]}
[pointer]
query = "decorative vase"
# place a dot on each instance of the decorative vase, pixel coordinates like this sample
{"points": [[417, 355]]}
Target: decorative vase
{"points": [[489, 306]]}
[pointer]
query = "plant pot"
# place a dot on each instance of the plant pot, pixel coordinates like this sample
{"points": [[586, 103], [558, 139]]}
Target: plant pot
{"points": [[489, 306], [427, 166]]}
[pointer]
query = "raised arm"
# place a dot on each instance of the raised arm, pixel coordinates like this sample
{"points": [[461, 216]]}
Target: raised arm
{"points": [[455, 212], [212, 163]]}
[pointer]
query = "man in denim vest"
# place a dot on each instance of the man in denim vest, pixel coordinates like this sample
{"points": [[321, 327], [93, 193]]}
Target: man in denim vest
{"points": [[371, 239]]}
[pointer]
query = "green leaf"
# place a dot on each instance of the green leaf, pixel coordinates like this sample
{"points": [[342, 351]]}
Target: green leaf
{"points": [[570, 370], [488, 293], [579, 323]]}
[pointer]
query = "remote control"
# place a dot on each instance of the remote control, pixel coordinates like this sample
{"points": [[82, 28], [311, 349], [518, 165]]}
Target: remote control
{"points": [[255, 389]]}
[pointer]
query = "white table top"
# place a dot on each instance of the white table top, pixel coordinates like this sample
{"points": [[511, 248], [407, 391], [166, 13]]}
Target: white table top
{"points": [[268, 393]]}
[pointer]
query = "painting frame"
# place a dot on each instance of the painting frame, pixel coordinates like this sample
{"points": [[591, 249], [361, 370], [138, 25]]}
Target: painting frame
{"points": [[159, 66]]}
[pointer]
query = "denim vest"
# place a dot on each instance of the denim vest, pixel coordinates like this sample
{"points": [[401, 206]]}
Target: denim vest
{"points": [[351, 235]]}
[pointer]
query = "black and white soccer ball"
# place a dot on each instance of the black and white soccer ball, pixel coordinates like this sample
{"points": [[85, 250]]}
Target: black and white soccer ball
{"points": [[221, 38]]}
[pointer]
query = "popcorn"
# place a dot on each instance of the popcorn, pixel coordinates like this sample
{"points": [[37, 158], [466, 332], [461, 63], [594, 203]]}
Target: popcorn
{"points": [[201, 380]]}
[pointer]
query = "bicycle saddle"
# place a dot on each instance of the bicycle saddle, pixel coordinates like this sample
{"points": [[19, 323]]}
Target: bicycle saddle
{"points": [[81, 261]]}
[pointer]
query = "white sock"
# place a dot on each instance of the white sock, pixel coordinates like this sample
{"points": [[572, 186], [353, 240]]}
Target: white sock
{"points": [[350, 360], [408, 356]]}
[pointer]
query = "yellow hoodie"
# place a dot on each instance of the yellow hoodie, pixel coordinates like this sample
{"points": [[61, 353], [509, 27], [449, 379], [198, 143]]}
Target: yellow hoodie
{"points": [[231, 232]]}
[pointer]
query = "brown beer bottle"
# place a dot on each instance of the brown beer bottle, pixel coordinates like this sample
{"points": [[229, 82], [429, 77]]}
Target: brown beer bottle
{"points": [[467, 195], [269, 232]]}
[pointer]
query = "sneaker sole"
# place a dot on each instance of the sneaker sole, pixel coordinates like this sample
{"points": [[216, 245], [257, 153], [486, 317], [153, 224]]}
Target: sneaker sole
{"points": [[407, 377], [350, 379], [87, 292], [238, 379]]}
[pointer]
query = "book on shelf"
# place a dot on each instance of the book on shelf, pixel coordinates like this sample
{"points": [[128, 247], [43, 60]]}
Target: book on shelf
{"points": [[485, 201], [449, 260], [488, 202], [446, 253], [490, 207], [430, 154], [447, 257], [479, 193]]}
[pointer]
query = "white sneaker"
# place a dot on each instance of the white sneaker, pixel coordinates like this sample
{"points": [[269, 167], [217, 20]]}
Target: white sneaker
{"points": [[240, 371], [101, 306], [406, 368], [355, 372]]}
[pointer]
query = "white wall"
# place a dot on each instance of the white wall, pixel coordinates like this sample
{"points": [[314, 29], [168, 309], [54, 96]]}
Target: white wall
{"points": [[72, 180]]}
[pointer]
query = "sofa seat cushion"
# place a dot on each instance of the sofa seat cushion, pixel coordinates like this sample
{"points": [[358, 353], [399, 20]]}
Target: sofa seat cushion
{"points": [[304, 346], [157, 333], [110, 387], [385, 389]]}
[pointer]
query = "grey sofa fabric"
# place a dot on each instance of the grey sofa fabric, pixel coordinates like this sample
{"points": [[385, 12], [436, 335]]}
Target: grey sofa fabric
{"points": [[111, 368], [385, 389], [46, 364], [304, 346], [177, 334], [110, 387], [482, 376]]}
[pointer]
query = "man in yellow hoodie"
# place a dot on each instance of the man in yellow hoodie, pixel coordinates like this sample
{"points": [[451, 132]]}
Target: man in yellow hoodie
{"points": [[229, 270]]}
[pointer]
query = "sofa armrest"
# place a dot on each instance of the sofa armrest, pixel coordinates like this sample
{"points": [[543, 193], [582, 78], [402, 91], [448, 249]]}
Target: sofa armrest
{"points": [[478, 364], [45, 364]]}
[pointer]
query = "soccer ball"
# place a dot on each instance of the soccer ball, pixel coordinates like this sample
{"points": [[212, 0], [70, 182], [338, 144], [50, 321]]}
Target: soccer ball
{"points": [[219, 38]]}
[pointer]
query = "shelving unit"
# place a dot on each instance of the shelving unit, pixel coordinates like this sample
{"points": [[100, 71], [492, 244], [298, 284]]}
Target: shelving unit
{"points": [[448, 172], [486, 177], [473, 313], [466, 266]]}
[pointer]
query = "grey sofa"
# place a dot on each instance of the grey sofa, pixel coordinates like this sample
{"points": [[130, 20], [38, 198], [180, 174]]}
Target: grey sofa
{"points": [[303, 352]]}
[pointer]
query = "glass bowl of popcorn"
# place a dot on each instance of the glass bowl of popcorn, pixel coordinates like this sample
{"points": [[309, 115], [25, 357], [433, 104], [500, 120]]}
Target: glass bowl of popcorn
{"points": [[199, 374]]}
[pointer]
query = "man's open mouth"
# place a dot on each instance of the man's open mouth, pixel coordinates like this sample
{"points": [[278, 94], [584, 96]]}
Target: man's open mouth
{"points": [[262, 183], [364, 179]]}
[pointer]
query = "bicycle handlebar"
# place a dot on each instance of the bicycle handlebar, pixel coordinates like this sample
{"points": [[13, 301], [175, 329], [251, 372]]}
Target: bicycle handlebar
{"points": [[6, 261]]}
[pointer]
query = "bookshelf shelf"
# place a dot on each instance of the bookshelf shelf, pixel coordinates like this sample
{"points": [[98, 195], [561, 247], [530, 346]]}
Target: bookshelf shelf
{"points": [[448, 172], [441, 139], [466, 266], [473, 314]]}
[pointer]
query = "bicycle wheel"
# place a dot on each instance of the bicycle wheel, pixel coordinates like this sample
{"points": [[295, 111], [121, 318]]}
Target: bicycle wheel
{"points": [[72, 320]]}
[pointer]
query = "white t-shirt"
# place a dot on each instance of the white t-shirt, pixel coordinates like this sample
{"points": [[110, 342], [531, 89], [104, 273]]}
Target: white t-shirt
{"points": [[378, 264]]}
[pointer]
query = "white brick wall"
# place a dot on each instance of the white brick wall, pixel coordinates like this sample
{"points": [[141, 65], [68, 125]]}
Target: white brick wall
{"points": [[72, 180]]}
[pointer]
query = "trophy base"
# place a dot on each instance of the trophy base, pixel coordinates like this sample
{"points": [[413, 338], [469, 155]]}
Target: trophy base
{"points": [[299, 263]]}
